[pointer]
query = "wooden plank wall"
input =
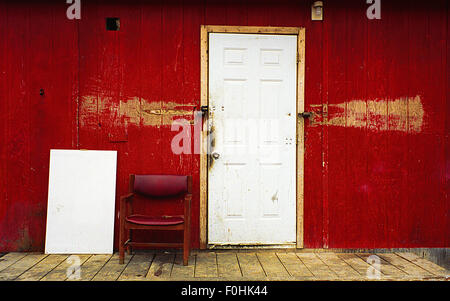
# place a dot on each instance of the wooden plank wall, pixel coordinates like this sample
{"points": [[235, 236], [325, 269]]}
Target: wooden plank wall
{"points": [[376, 160], [39, 50]]}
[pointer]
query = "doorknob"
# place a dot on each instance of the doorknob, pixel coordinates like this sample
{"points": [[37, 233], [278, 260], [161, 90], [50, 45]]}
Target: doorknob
{"points": [[215, 155]]}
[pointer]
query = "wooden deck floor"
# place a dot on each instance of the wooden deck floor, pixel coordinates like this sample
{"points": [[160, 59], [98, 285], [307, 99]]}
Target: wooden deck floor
{"points": [[219, 265]]}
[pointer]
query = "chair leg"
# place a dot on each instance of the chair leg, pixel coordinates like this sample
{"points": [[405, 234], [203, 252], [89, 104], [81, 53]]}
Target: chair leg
{"points": [[129, 246], [189, 238], [186, 245], [121, 243]]}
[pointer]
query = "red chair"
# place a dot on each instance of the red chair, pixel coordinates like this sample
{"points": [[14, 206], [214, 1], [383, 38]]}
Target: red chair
{"points": [[155, 187]]}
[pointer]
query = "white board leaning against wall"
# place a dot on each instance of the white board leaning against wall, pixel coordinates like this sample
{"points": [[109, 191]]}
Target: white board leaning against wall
{"points": [[81, 201]]}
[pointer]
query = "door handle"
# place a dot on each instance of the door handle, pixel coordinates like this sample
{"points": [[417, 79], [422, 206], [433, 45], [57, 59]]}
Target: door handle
{"points": [[215, 156]]}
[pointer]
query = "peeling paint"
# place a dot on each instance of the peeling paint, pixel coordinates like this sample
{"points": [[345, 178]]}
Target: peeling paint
{"points": [[131, 109], [153, 113], [135, 110], [401, 114], [88, 110]]}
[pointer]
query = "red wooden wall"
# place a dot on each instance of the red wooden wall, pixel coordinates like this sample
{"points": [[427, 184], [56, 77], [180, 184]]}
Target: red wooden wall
{"points": [[376, 161]]}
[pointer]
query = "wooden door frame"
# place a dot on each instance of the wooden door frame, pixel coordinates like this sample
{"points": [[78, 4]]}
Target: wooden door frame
{"points": [[204, 77]]}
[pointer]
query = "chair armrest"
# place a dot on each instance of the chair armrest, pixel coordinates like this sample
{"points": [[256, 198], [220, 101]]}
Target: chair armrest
{"points": [[125, 205], [127, 197]]}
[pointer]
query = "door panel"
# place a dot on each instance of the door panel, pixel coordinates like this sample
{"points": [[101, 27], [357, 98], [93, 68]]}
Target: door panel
{"points": [[252, 120]]}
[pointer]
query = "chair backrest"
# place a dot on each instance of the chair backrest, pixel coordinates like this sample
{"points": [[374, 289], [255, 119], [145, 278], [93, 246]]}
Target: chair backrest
{"points": [[160, 185]]}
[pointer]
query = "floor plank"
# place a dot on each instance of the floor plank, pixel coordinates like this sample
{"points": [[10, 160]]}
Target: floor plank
{"points": [[10, 258], [206, 265], [358, 264], [317, 266], [340, 267], [183, 272], [272, 266], [112, 269], [91, 267], [60, 273], [138, 267], [250, 266], [404, 265], [228, 266], [387, 270], [21, 266], [294, 266], [42, 268], [425, 264], [161, 267]]}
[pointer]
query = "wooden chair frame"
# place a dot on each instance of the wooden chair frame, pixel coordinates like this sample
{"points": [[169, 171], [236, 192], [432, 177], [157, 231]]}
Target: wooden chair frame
{"points": [[126, 209]]}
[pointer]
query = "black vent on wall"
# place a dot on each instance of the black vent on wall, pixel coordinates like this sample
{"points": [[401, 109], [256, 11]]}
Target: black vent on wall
{"points": [[112, 24]]}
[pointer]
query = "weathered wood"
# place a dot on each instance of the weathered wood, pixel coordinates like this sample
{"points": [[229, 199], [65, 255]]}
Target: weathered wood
{"points": [[252, 29], [138, 267], [183, 272], [223, 265], [425, 264], [355, 262], [59, 273], [112, 269], [300, 133], [404, 265], [161, 267], [272, 266], [206, 265], [384, 271], [387, 270], [340, 267], [294, 265], [228, 266], [9, 259], [204, 142], [269, 250], [250, 266], [21, 266], [316, 266], [42, 268], [91, 267]]}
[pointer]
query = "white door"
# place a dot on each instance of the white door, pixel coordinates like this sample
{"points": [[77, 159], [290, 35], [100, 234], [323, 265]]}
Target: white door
{"points": [[252, 123]]}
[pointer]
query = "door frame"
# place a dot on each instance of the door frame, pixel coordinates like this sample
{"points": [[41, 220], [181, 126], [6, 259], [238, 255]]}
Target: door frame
{"points": [[204, 77]]}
